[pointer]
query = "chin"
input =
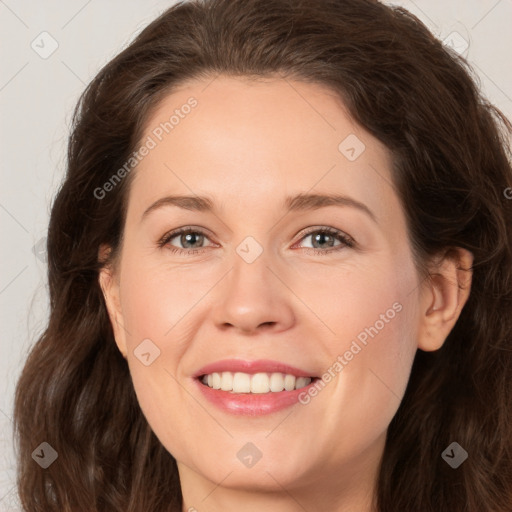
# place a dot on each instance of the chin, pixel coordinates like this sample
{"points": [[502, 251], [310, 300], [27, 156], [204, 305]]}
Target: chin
{"points": [[273, 471]]}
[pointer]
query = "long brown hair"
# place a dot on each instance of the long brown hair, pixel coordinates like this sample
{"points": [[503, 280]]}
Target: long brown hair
{"points": [[451, 169]]}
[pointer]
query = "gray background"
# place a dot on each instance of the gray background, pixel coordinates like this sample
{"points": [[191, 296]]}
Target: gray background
{"points": [[37, 94]]}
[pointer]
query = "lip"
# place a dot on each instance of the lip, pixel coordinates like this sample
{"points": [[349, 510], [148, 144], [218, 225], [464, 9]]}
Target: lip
{"points": [[251, 404]]}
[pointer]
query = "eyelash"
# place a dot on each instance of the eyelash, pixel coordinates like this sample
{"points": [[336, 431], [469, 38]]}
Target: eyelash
{"points": [[346, 241]]}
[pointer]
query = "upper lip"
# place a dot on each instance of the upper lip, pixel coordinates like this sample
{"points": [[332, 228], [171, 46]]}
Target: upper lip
{"points": [[257, 366]]}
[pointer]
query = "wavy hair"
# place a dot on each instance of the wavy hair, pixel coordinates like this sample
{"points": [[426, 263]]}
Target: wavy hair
{"points": [[452, 172]]}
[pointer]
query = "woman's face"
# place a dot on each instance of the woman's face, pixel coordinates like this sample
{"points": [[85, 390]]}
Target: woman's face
{"points": [[257, 296]]}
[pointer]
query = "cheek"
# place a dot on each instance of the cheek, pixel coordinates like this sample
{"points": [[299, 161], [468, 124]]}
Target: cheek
{"points": [[373, 382], [368, 358], [367, 368], [162, 401], [161, 304], [157, 300], [370, 300]]}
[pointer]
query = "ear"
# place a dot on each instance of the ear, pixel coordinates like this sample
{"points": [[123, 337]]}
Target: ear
{"points": [[443, 297], [109, 284]]}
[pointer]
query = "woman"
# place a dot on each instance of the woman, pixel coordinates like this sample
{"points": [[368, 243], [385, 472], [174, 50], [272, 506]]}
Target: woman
{"points": [[280, 274]]}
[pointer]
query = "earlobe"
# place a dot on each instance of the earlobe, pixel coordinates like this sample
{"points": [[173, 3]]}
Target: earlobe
{"points": [[444, 297], [111, 293]]}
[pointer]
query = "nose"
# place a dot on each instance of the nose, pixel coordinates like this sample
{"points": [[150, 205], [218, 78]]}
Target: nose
{"points": [[254, 297]]}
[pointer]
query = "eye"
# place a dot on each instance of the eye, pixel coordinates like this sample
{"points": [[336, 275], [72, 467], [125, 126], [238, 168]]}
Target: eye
{"points": [[325, 238], [190, 238]]}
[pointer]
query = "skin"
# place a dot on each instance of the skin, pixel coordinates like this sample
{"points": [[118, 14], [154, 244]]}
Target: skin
{"points": [[248, 145]]}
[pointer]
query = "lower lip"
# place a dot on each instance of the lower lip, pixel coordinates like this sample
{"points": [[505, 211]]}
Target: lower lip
{"points": [[252, 404]]}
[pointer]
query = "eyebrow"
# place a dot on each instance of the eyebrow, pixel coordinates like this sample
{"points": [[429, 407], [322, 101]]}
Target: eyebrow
{"points": [[300, 202]]}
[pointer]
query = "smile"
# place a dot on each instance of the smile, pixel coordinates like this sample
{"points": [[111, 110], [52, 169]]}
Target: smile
{"points": [[253, 388]]}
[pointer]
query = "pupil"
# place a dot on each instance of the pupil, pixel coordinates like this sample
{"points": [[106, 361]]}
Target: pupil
{"points": [[187, 238]]}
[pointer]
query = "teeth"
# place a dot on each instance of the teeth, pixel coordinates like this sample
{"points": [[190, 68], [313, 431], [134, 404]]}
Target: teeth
{"points": [[241, 383], [289, 382], [254, 383], [301, 382], [260, 383], [276, 382], [226, 381]]}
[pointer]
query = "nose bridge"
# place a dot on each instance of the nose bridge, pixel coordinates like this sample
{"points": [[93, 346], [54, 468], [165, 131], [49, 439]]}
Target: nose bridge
{"points": [[252, 267], [252, 295]]}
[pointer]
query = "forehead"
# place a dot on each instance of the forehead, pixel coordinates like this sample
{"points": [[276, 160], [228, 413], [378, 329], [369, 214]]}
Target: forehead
{"points": [[250, 141]]}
